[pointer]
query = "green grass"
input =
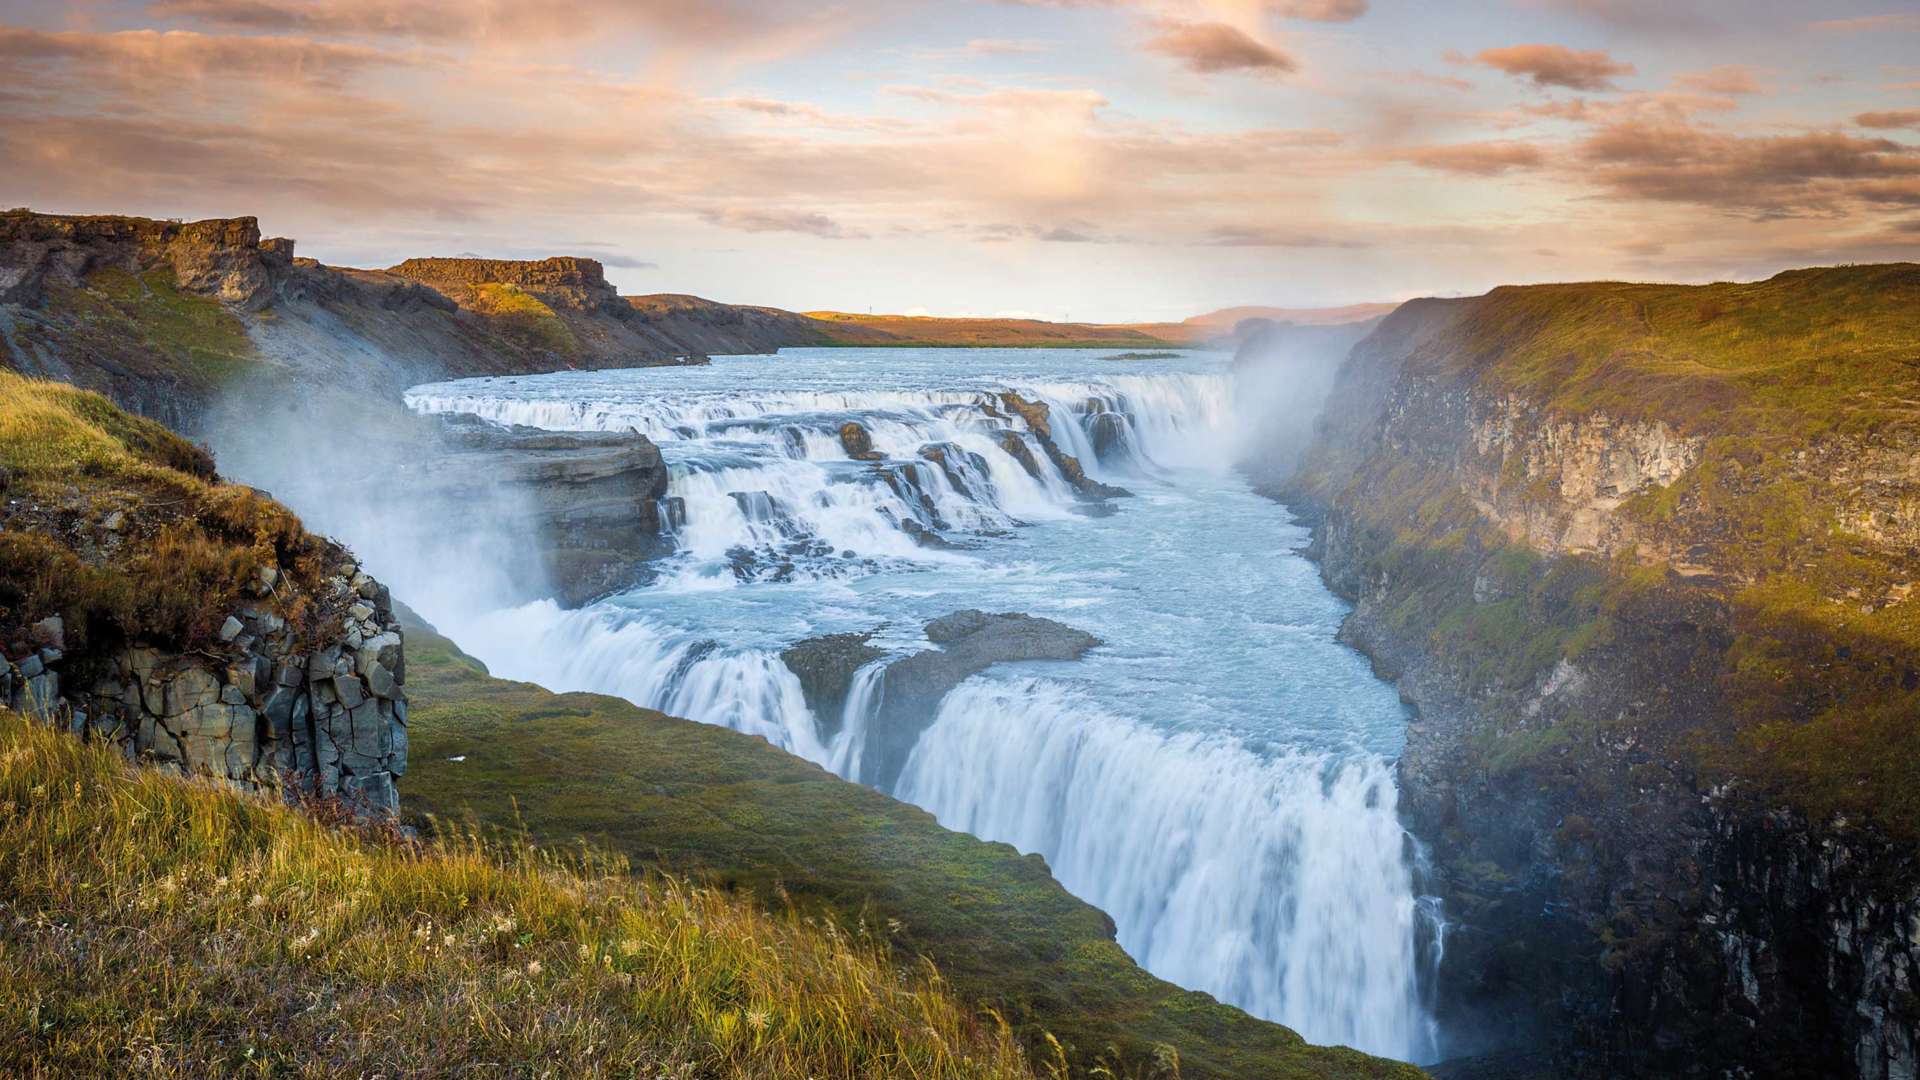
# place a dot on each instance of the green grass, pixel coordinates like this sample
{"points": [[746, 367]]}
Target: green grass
{"points": [[158, 927], [737, 814], [146, 317], [1805, 352], [523, 317]]}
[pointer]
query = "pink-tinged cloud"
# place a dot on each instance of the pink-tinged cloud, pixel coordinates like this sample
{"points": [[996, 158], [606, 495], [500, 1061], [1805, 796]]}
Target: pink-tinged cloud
{"points": [[508, 21], [1897, 118], [1212, 48], [1724, 79], [1478, 159], [1556, 65], [183, 54], [1275, 236]]}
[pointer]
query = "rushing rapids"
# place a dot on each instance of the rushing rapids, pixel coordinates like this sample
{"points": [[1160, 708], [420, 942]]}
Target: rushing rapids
{"points": [[1217, 777]]}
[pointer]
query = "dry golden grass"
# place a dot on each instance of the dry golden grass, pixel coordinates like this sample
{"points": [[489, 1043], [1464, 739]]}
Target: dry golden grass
{"points": [[182, 544], [155, 926]]}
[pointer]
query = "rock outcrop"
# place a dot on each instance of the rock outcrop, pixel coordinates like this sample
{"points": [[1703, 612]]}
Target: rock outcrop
{"points": [[224, 257], [826, 666], [595, 502], [969, 643], [263, 712], [1036, 417]]}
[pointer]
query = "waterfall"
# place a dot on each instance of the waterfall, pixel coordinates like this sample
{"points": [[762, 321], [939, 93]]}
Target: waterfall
{"points": [[1275, 883], [1239, 849], [863, 701]]}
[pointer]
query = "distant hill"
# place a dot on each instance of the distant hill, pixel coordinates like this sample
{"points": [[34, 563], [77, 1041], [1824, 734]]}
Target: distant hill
{"points": [[903, 330], [1213, 328]]}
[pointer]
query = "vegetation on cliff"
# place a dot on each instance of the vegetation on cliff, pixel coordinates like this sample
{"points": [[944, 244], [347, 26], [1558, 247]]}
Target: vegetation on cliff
{"points": [[155, 926], [123, 529], [1778, 560], [736, 814]]}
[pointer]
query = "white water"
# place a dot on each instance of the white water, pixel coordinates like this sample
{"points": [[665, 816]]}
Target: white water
{"points": [[1216, 777]]}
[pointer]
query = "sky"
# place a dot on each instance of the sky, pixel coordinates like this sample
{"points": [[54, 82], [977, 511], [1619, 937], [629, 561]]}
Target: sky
{"points": [[1109, 160]]}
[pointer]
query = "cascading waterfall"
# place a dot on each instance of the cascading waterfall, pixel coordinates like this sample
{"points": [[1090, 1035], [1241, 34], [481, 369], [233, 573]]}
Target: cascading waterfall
{"points": [[1275, 883], [1243, 847]]}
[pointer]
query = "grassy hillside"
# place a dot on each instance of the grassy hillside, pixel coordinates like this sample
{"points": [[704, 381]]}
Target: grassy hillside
{"points": [[158, 927], [735, 813], [1807, 352]]}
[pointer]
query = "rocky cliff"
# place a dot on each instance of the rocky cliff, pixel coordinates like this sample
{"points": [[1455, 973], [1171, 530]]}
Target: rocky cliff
{"points": [[147, 604], [1640, 556], [166, 318]]}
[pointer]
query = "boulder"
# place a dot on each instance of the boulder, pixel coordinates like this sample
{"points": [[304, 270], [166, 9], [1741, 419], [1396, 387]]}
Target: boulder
{"points": [[858, 442], [48, 633]]}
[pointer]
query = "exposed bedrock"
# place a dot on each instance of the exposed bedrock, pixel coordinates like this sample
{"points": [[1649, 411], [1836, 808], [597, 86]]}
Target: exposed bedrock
{"points": [[968, 643], [1036, 416], [596, 500], [571, 515], [858, 442], [1564, 592], [826, 666], [263, 711], [164, 317]]}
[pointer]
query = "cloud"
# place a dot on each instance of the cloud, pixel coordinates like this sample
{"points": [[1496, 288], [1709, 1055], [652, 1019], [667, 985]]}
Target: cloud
{"points": [[1869, 24], [627, 262], [1649, 17], [1319, 10], [978, 47], [1724, 79], [1556, 65], [1273, 236], [503, 21], [182, 54], [1213, 47], [1898, 118], [1477, 159], [1820, 173], [749, 219]]}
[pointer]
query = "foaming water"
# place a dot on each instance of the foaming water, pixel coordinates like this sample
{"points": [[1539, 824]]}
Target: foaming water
{"points": [[1217, 776], [1277, 882]]}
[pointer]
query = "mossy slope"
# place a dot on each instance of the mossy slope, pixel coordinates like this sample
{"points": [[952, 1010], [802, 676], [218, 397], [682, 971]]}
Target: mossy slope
{"points": [[732, 811]]}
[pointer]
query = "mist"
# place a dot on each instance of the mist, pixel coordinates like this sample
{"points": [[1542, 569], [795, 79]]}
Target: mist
{"points": [[1283, 373], [365, 471]]}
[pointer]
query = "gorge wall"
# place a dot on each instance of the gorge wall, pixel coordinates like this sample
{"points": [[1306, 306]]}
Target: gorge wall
{"points": [[1647, 587]]}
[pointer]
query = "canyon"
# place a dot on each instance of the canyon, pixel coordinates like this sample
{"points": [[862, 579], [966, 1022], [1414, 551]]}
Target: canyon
{"points": [[1521, 685]]}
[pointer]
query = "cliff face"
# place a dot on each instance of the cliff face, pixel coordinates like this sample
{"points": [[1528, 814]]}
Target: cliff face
{"points": [[1642, 565], [262, 712], [147, 604], [166, 318]]}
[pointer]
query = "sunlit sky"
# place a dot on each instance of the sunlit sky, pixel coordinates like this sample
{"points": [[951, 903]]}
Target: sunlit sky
{"points": [[1093, 159]]}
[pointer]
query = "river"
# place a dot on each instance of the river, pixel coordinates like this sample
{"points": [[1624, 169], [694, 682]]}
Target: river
{"points": [[1217, 776]]}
